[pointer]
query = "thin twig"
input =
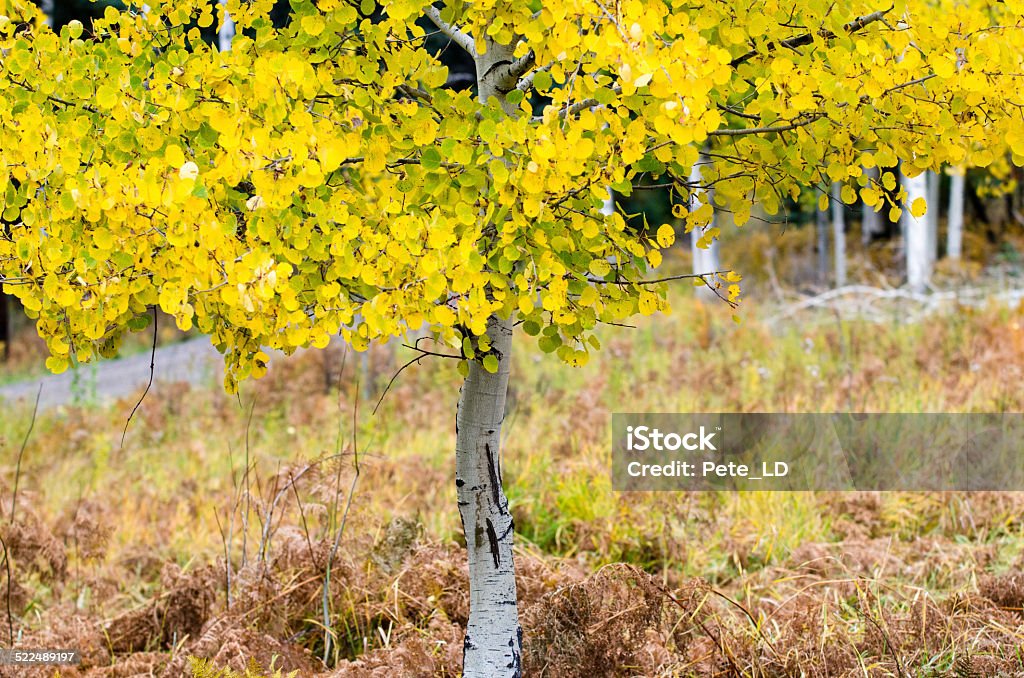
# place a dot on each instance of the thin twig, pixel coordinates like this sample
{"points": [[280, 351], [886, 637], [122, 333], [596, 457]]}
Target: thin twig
{"points": [[227, 558], [624, 283], [152, 371], [886, 640], [423, 354], [245, 484], [742, 131], [305, 526], [808, 38], [344, 518], [21, 453], [10, 617]]}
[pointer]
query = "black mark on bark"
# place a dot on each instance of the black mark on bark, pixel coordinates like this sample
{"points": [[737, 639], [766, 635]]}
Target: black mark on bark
{"points": [[492, 537], [492, 471]]}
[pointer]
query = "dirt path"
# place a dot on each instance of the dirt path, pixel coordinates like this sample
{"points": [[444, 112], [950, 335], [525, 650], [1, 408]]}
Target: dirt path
{"points": [[194, 361]]}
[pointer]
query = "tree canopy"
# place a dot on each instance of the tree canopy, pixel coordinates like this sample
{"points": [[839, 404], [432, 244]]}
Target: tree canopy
{"points": [[319, 178]]}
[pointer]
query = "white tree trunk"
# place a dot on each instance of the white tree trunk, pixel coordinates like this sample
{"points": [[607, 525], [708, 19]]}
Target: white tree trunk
{"points": [[821, 230], [955, 232], [494, 639], [933, 218], [227, 29], [915, 234], [46, 6], [608, 208], [705, 260], [871, 221], [839, 233], [493, 644]]}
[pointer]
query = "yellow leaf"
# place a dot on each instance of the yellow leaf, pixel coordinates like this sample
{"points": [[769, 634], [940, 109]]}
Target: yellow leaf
{"points": [[56, 365], [666, 235], [312, 24], [918, 207], [174, 156], [600, 267]]}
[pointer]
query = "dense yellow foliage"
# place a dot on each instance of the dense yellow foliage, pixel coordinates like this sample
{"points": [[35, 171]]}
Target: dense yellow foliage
{"points": [[318, 178]]}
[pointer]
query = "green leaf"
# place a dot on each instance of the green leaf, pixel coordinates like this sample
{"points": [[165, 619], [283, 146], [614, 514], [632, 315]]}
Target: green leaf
{"points": [[139, 323], [651, 164], [430, 159], [491, 363], [549, 344]]}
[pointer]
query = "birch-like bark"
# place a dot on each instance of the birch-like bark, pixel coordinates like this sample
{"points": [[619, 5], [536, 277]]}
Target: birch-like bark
{"points": [[821, 230], [915, 234], [705, 260], [227, 29], [871, 221], [839, 234], [46, 6], [608, 208], [493, 643], [932, 216], [5, 328], [955, 228]]}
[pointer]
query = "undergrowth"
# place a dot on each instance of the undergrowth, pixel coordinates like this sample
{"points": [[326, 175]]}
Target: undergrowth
{"points": [[211, 532]]}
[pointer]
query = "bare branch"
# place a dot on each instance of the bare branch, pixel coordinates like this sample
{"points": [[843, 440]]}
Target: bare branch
{"points": [[526, 83], [152, 371], [623, 283], [521, 65], [808, 38], [582, 105], [463, 40], [765, 130], [17, 466]]}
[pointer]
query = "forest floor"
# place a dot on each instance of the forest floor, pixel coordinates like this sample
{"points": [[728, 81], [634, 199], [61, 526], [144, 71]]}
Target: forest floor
{"points": [[118, 550]]}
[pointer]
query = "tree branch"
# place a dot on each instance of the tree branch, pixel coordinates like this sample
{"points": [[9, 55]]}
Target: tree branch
{"points": [[685, 276], [526, 83], [463, 40], [808, 38], [521, 65], [765, 130], [582, 105]]}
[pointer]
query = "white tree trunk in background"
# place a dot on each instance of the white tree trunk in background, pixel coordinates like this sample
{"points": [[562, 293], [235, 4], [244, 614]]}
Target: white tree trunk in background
{"points": [[705, 260], [915, 234], [608, 208], [871, 221], [839, 233], [227, 29], [933, 218], [493, 644], [494, 639], [821, 230], [46, 6], [955, 232]]}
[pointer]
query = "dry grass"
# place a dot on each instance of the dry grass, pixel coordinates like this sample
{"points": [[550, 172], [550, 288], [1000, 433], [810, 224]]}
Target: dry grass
{"points": [[121, 552]]}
